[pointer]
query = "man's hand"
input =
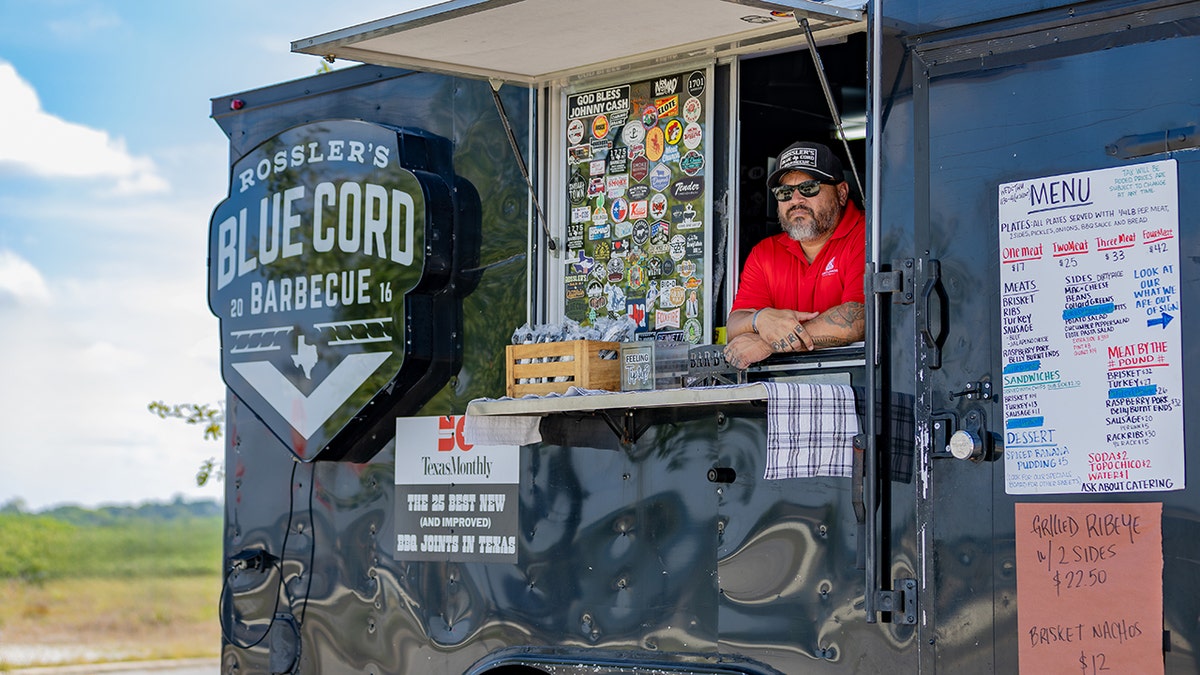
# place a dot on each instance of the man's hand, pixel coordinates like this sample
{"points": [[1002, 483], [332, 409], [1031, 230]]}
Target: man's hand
{"points": [[783, 330], [746, 349]]}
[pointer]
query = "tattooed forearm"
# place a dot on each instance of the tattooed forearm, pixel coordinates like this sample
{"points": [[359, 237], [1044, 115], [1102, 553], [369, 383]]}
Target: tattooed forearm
{"points": [[847, 315], [838, 326]]}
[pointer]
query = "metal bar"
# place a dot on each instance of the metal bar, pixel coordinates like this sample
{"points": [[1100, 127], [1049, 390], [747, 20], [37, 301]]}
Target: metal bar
{"points": [[512, 141], [833, 111]]}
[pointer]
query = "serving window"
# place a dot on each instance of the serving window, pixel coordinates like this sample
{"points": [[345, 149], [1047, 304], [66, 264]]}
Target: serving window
{"points": [[664, 189]]}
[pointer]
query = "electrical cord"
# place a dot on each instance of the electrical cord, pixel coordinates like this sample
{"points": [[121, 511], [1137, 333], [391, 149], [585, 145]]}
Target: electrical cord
{"points": [[225, 631], [312, 549], [258, 559]]}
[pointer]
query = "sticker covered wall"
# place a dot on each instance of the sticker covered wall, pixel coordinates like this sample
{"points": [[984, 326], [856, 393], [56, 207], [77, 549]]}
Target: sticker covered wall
{"points": [[637, 221]]}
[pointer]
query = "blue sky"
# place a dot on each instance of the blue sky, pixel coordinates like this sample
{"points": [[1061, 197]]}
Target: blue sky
{"points": [[109, 171]]}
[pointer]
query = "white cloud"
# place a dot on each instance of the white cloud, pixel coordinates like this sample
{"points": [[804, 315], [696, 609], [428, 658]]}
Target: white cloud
{"points": [[20, 281], [35, 141], [79, 375]]}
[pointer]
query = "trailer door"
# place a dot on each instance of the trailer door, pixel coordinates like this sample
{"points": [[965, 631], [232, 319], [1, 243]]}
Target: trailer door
{"points": [[1069, 90]]}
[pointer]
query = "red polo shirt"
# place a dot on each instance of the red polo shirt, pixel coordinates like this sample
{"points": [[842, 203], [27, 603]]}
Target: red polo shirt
{"points": [[778, 275]]}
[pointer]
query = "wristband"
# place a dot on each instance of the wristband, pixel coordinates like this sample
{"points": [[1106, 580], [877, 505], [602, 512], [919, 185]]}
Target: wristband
{"points": [[754, 320]]}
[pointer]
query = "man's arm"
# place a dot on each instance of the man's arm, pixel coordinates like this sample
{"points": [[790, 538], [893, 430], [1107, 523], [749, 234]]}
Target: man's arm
{"points": [[755, 334], [837, 326]]}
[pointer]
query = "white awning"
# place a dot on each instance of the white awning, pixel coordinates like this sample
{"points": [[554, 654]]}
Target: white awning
{"points": [[539, 41]]}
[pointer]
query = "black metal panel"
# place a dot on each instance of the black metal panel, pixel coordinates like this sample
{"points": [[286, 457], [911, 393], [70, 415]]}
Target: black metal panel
{"points": [[628, 553], [1053, 106]]}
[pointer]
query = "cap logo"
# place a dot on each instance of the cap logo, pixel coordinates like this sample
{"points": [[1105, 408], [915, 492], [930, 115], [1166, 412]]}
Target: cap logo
{"points": [[794, 157]]}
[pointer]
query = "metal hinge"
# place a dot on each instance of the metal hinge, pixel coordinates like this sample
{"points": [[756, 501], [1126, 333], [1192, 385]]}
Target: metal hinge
{"points": [[901, 602], [898, 281]]}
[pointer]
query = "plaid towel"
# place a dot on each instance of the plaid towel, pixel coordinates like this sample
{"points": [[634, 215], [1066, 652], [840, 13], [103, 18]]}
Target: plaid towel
{"points": [[810, 430]]}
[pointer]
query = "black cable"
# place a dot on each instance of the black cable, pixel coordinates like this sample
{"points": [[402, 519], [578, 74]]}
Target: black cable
{"points": [[225, 632], [312, 551]]}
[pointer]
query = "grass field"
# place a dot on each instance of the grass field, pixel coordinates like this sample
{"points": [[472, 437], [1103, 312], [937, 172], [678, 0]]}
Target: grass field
{"points": [[91, 586]]}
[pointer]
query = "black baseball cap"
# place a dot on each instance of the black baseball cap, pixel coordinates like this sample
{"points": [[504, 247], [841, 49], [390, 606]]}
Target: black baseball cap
{"points": [[813, 159]]}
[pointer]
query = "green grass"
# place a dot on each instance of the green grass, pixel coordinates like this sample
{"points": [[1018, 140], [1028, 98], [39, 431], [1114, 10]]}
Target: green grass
{"points": [[128, 583], [43, 547]]}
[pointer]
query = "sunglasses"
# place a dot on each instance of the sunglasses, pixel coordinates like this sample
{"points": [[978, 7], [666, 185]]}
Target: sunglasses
{"points": [[809, 188]]}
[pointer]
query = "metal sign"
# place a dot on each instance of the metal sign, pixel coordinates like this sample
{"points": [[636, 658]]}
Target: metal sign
{"points": [[454, 501], [318, 262]]}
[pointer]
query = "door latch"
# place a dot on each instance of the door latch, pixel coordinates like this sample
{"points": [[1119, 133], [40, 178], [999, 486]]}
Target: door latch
{"points": [[901, 602], [975, 391], [899, 281]]}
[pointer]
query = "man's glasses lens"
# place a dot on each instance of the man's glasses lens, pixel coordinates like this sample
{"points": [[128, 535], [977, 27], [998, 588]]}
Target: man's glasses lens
{"points": [[809, 188]]}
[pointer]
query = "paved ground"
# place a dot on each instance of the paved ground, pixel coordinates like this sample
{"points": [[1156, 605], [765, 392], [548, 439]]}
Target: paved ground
{"points": [[175, 667]]}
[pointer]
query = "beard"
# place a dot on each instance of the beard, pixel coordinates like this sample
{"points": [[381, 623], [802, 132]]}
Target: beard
{"points": [[804, 223]]}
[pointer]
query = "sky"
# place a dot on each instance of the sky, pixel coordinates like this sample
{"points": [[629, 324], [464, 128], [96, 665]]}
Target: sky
{"points": [[110, 168]]}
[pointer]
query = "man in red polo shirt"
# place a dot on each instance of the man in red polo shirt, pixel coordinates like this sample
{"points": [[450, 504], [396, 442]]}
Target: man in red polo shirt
{"points": [[802, 289]]}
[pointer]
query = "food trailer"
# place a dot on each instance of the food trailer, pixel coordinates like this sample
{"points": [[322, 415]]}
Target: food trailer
{"points": [[994, 480]]}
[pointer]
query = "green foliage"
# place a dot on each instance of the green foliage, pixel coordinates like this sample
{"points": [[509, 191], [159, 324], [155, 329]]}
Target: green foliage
{"points": [[149, 541], [211, 417], [29, 544]]}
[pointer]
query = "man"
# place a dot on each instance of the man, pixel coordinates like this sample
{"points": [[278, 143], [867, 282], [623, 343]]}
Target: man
{"points": [[802, 289]]}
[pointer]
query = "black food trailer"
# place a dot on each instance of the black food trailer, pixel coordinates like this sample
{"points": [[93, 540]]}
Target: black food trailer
{"points": [[994, 480]]}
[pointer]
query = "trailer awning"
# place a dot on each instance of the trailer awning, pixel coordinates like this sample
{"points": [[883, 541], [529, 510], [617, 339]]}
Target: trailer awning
{"points": [[535, 42]]}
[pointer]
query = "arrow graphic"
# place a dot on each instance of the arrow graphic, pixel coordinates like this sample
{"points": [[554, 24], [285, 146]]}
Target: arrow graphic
{"points": [[307, 413], [1162, 320]]}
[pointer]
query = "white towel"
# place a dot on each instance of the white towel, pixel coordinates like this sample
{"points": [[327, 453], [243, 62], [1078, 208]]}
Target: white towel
{"points": [[810, 430], [502, 429]]}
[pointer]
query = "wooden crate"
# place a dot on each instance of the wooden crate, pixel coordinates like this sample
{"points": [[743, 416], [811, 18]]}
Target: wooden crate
{"points": [[584, 369]]}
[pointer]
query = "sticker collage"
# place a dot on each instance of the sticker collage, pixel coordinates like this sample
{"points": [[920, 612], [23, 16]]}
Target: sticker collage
{"points": [[636, 199]]}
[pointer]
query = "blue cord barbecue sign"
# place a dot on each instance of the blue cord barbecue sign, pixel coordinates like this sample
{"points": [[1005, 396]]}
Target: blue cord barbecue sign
{"points": [[318, 265]]}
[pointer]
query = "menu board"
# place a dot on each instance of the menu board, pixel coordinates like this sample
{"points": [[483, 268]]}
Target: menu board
{"points": [[637, 224], [1090, 588], [1089, 317]]}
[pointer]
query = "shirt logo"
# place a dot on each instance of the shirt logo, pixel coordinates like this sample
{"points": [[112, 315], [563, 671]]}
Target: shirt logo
{"points": [[831, 268]]}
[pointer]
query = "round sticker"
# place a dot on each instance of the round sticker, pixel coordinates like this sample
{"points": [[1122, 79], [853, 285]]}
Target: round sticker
{"points": [[676, 295], [691, 163], [600, 126], [641, 232], [673, 132], [619, 210], [575, 131], [649, 116], [655, 144], [692, 135], [691, 110], [668, 267], [695, 83], [658, 205], [633, 133]]}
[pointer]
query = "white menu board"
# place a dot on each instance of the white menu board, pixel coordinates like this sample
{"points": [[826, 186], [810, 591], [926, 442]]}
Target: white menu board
{"points": [[1089, 317]]}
